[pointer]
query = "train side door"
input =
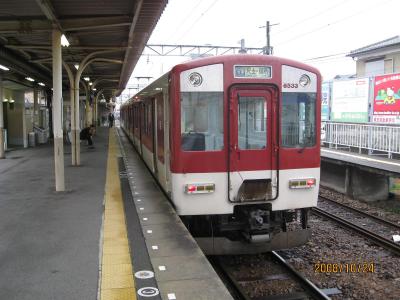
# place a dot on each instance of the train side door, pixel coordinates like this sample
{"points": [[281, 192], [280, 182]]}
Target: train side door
{"points": [[253, 146]]}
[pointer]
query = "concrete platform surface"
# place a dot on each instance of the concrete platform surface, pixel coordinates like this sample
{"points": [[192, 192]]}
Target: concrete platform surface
{"points": [[181, 269], [49, 242], [52, 245], [376, 162]]}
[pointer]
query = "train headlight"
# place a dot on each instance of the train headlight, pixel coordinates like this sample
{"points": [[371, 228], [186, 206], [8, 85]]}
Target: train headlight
{"points": [[195, 79], [306, 183], [199, 188], [304, 80]]}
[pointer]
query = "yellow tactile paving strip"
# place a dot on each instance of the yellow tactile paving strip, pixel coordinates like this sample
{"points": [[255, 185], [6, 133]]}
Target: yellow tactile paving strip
{"points": [[116, 267]]}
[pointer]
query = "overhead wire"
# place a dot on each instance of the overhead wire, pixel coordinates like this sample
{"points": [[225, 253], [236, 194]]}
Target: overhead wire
{"points": [[309, 18], [188, 15], [332, 23], [198, 19], [325, 56], [313, 16], [329, 60]]}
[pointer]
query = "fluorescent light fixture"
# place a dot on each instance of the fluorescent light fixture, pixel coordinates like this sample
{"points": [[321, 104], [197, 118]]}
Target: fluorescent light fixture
{"points": [[12, 100], [41, 84], [90, 83], [30, 79], [64, 41], [94, 89], [76, 66], [5, 100], [4, 68], [86, 78]]}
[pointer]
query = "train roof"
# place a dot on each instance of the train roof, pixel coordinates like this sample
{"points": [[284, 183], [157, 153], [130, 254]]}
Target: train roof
{"points": [[255, 59], [245, 59], [151, 89]]}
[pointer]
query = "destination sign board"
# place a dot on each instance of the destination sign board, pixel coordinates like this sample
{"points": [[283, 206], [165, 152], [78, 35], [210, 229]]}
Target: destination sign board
{"points": [[262, 72]]}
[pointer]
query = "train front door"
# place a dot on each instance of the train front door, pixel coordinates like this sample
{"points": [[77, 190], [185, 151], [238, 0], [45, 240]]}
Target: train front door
{"points": [[253, 144]]}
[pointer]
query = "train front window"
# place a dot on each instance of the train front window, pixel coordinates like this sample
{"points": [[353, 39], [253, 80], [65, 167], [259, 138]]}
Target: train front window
{"points": [[298, 120], [252, 119], [202, 121]]}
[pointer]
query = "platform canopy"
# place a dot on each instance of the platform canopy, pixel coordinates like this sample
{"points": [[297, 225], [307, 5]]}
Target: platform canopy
{"points": [[114, 31]]}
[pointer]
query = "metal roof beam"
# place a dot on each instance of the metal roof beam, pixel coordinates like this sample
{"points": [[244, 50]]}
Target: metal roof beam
{"points": [[25, 26], [97, 81], [95, 23], [21, 67], [49, 59], [48, 11], [70, 24], [136, 13], [47, 47]]}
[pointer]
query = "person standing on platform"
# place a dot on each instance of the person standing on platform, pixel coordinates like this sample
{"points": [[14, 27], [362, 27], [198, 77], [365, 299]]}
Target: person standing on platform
{"points": [[86, 134], [110, 120]]}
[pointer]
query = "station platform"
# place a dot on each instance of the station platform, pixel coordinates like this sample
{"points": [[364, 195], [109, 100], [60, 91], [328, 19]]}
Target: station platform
{"points": [[383, 164], [357, 175], [111, 235]]}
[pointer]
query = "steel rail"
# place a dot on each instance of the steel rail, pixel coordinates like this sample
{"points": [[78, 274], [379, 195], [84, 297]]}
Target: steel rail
{"points": [[311, 288], [232, 284], [378, 219], [381, 241]]}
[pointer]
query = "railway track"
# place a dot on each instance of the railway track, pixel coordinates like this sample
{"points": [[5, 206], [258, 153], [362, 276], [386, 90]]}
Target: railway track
{"points": [[306, 290], [350, 224], [362, 213]]}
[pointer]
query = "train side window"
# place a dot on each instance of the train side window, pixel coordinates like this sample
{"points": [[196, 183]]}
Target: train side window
{"points": [[137, 116], [149, 119], [145, 119], [202, 121], [298, 120]]}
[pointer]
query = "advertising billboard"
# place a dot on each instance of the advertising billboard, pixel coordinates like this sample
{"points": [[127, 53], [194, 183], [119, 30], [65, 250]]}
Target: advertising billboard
{"points": [[326, 97], [350, 100], [387, 99]]}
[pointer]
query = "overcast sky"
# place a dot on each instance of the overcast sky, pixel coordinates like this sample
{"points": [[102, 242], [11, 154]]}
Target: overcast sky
{"points": [[307, 29]]}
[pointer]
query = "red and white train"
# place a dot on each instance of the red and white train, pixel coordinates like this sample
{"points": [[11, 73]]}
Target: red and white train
{"points": [[234, 141]]}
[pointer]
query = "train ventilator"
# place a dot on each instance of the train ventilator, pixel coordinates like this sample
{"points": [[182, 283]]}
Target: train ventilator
{"points": [[235, 143]]}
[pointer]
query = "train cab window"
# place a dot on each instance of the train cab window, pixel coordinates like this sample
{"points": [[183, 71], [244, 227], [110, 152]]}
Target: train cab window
{"points": [[252, 123], [202, 121], [298, 120]]}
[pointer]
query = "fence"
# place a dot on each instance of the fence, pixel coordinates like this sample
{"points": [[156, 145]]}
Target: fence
{"points": [[372, 137]]}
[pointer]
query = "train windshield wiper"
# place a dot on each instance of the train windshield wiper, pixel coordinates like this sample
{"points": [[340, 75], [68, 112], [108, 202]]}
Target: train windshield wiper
{"points": [[302, 147]]}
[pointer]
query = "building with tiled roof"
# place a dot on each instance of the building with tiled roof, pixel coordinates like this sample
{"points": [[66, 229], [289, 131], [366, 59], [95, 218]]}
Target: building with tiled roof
{"points": [[379, 58]]}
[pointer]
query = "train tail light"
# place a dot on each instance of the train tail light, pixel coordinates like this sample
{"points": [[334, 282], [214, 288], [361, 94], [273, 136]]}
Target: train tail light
{"points": [[306, 183], [199, 188]]}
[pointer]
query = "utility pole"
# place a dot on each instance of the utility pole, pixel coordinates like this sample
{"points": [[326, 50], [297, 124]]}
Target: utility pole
{"points": [[242, 47], [267, 50]]}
